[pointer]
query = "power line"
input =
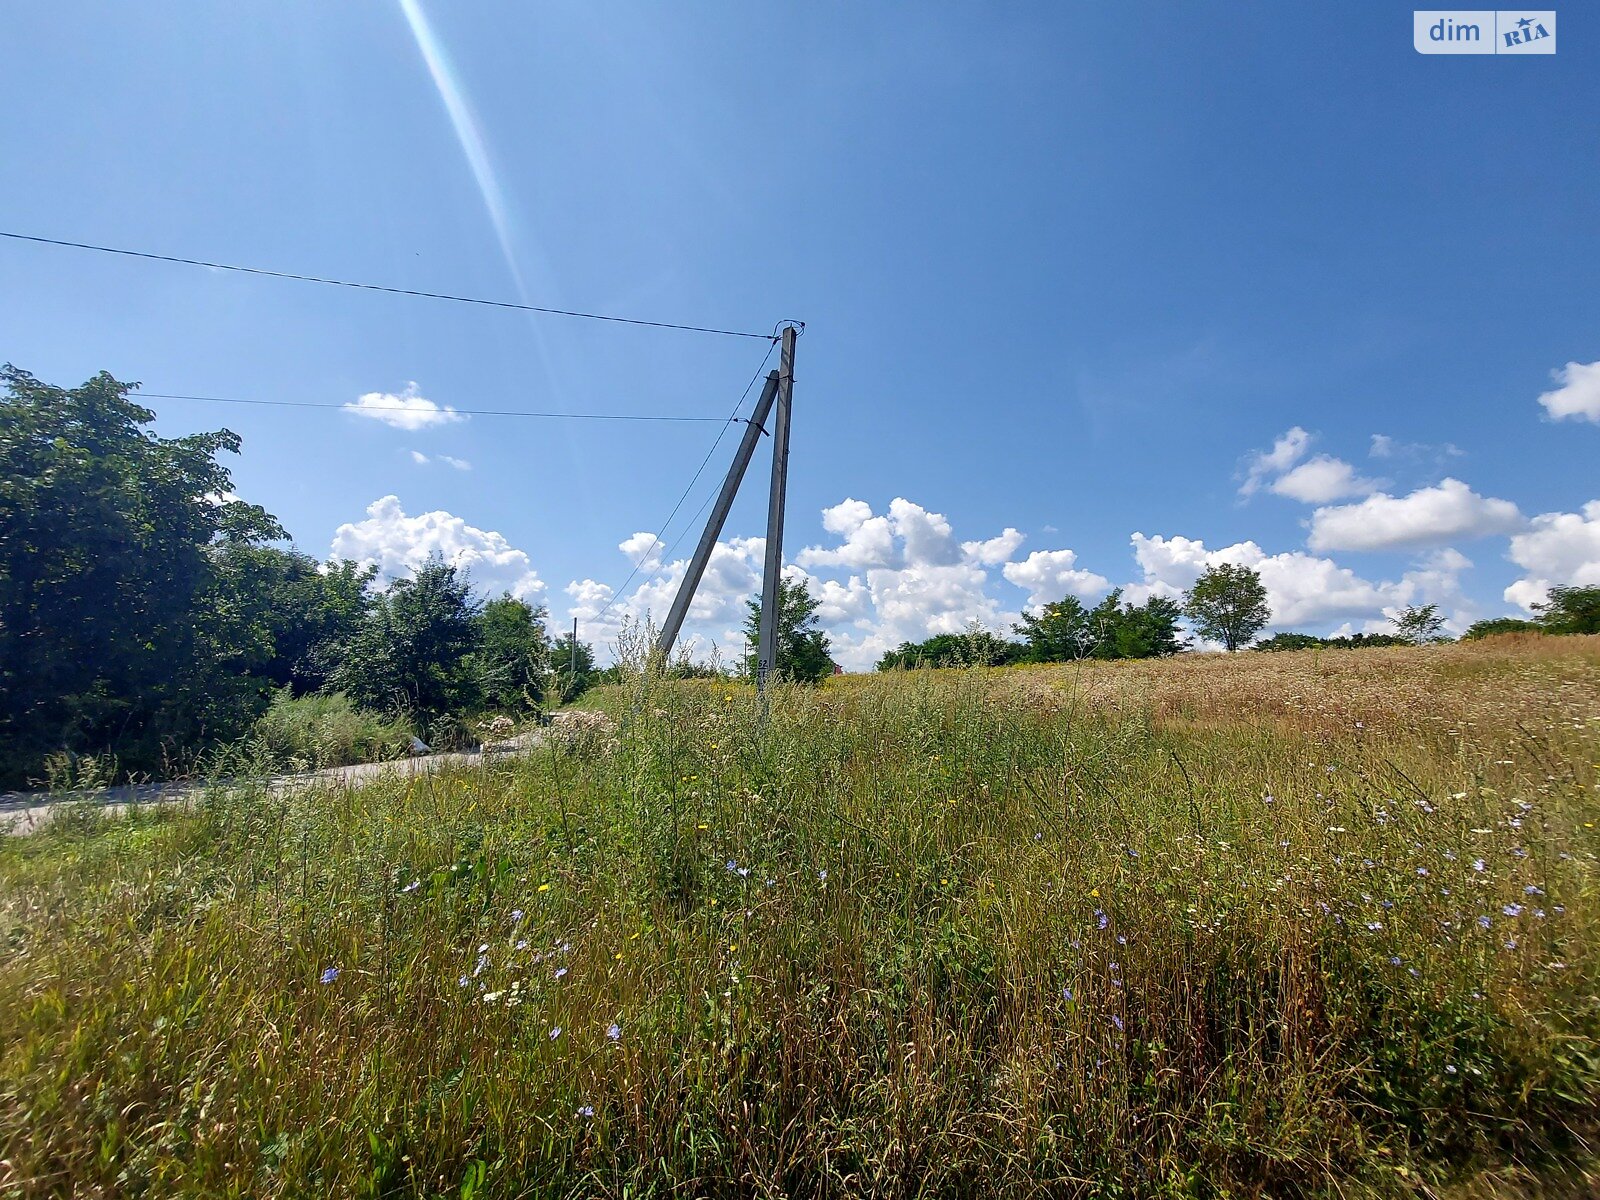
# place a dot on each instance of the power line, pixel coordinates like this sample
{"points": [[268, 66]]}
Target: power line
{"points": [[442, 411], [374, 287], [617, 595]]}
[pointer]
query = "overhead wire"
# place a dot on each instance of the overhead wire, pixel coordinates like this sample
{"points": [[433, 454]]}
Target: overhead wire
{"points": [[620, 592], [441, 411], [376, 287]]}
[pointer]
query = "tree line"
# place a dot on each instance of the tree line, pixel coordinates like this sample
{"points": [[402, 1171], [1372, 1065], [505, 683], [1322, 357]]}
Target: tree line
{"points": [[147, 614], [1228, 605]]}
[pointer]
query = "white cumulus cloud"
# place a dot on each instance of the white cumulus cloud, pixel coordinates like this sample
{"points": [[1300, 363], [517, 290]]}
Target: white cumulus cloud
{"points": [[1302, 589], [1432, 515], [1557, 549], [1579, 393], [1050, 575], [397, 544], [408, 410], [1322, 479], [995, 550]]}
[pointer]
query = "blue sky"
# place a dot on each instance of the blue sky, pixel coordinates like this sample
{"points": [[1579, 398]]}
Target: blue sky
{"points": [[1078, 272]]}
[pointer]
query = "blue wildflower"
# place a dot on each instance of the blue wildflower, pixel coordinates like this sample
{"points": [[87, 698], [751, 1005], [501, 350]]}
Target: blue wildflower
{"points": [[329, 975]]}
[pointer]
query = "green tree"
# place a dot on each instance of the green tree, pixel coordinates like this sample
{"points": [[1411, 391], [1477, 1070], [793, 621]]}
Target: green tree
{"points": [[411, 655], [512, 655], [1288, 641], [1419, 624], [1149, 630], [1228, 603], [114, 626], [1570, 610], [303, 611], [803, 647], [974, 647], [1498, 625], [1059, 633]]}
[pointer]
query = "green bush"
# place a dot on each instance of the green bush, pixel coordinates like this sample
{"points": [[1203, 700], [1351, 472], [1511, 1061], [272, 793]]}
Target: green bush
{"points": [[324, 729]]}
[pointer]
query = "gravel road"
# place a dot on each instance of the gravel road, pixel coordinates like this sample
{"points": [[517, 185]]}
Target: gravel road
{"points": [[23, 812]]}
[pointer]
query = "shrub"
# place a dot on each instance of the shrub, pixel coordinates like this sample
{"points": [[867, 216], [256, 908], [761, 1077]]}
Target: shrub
{"points": [[324, 729]]}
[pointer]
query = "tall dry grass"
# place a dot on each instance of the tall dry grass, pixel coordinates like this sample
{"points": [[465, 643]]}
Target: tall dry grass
{"points": [[1302, 924]]}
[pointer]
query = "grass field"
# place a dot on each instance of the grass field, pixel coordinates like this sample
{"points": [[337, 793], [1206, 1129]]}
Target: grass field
{"points": [[1323, 923]]}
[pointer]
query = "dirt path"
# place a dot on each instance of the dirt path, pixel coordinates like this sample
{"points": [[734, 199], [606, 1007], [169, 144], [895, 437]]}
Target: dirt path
{"points": [[23, 812]]}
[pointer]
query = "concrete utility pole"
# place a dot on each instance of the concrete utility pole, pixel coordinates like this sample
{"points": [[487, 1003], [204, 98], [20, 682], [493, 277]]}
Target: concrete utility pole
{"points": [[770, 591], [719, 514]]}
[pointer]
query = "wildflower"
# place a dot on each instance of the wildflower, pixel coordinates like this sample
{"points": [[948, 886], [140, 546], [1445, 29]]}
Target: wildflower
{"points": [[613, 1032], [555, 1032], [464, 981], [1484, 922], [1512, 944], [1267, 799], [516, 915], [822, 875], [1374, 926], [1117, 1021], [585, 1110], [1394, 960], [329, 975], [1449, 1069], [1423, 872], [1512, 910], [1100, 919], [1533, 889], [560, 972], [522, 943], [1066, 994], [544, 887], [412, 886], [1477, 864], [1122, 939]]}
